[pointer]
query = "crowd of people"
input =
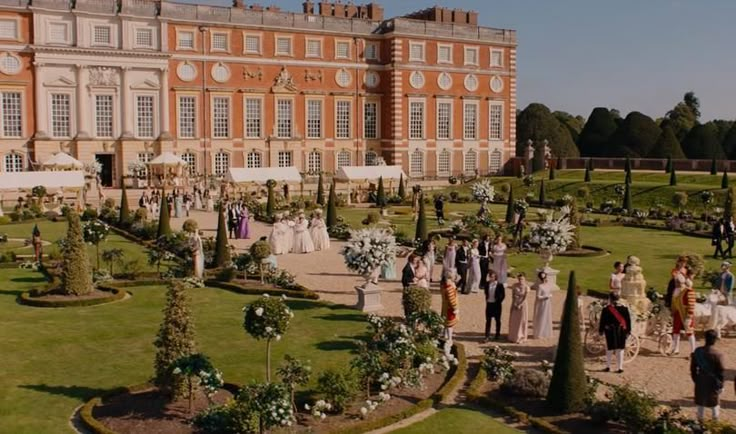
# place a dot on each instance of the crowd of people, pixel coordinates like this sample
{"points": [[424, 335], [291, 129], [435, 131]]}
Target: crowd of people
{"points": [[297, 234]]}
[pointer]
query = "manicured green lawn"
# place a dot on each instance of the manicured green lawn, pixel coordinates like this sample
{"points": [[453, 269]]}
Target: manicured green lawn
{"points": [[458, 420], [54, 359]]}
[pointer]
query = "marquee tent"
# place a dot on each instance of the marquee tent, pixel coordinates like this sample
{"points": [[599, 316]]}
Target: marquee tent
{"points": [[363, 174], [167, 159], [62, 161], [27, 180], [262, 174]]}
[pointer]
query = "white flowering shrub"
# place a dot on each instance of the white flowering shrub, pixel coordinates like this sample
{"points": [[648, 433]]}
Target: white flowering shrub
{"points": [[270, 401], [368, 249], [553, 234], [319, 409], [483, 191], [498, 363], [267, 318]]}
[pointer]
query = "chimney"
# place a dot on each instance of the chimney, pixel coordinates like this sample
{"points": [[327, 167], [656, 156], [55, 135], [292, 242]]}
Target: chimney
{"points": [[473, 18], [255, 7], [459, 16], [325, 9], [352, 10], [240, 4], [308, 7], [339, 9], [446, 15], [375, 12]]}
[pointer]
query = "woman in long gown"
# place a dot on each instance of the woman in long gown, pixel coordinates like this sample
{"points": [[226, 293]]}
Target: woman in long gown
{"points": [[500, 265], [288, 234], [302, 240], [430, 256], [448, 261], [276, 238], [474, 268], [210, 201], [518, 317], [543, 308], [388, 270], [243, 228], [197, 254], [421, 275], [197, 199], [320, 237], [177, 205]]}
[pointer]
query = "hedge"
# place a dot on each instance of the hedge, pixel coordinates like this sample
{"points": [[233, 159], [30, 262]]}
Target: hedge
{"points": [[306, 294], [589, 252], [117, 294]]}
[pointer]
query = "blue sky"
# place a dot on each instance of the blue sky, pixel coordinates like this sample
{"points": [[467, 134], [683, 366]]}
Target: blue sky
{"points": [[641, 55]]}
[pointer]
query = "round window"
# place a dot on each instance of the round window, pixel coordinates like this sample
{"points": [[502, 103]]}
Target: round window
{"points": [[496, 84], [186, 71], [471, 82], [372, 79], [220, 73], [416, 80], [343, 78], [9, 64], [444, 81]]}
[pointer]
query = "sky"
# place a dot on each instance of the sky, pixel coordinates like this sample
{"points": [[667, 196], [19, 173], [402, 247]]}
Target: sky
{"points": [[574, 55]]}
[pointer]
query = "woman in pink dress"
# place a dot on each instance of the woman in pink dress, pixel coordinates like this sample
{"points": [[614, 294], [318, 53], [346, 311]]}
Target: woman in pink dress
{"points": [[518, 318]]}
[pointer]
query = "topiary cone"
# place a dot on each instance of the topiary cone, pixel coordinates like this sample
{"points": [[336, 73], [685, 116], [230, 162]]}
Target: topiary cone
{"points": [[222, 250], [270, 202], [627, 198], [331, 219], [728, 207], [551, 172], [587, 173], [421, 232], [320, 191], [402, 190], [668, 165], [164, 223], [124, 208], [542, 198], [567, 389], [510, 207], [381, 194], [76, 276], [724, 180], [713, 167], [673, 177]]}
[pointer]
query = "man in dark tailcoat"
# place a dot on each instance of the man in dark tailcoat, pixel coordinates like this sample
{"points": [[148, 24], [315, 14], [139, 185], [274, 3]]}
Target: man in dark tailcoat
{"points": [[461, 265], [615, 324], [706, 370], [495, 294]]}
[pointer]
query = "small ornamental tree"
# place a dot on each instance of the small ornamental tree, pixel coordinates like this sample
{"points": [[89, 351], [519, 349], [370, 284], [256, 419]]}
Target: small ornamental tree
{"points": [[331, 220], [724, 180], [627, 170], [95, 232], [111, 256], [679, 200], [552, 172], [267, 318], [574, 219], [587, 173], [197, 371], [259, 251], [320, 191], [175, 339], [568, 387], [713, 166], [294, 373], [627, 198], [381, 200], [510, 207], [124, 208], [729, 207], [421, 230], [271, 201], [402, 191], [542, 194], [164, 224], [673, 177], [262, 406], [76, 276], [222, 250], [668, 165]]}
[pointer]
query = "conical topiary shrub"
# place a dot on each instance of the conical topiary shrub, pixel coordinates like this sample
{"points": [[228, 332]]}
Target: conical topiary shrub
{"points": [[124, 218], [381, 194], [331, 220], [421, 232], [575, 221], [320, 191], [668, 165], [510, 207], [713, 167], [76, 276], [551, 172], [724, 180], [542, 198], [402, 190], [590, 165], [673, 177], [627, 198], [587, 173], [164, 223], [222, 250], [271, 200], [559, 163], [627, 170], [568, 387]]}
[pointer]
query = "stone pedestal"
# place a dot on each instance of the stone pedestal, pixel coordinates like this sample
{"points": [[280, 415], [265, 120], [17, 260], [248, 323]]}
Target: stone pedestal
{"points": [[551, 276], [369, 297]]}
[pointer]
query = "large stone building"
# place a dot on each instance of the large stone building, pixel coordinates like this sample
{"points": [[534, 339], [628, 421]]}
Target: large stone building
{"points": [[244, 86]]}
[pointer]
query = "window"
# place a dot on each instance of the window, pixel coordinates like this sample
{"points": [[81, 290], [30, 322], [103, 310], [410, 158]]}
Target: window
{"points": [[496, 58], [145, 157], [101, 35], [253, 160], [471, 83], [444, 120], [9, 64], [144, 109], [496, 84], [416, 162], [314, 162], [495, 161], [252, 44], [13, 163], [185, 40], [314, 119], [219, 42], [370, 120], [372, 79], [471, 55], [222, 163], [252, 118], [443, 163], [186, 71], [371, 158], [416, 80], [187, 117], [12, 114], [103, 115], [60, 115], [58, 32], [284, 159], [416, 52], [9, 29], [444, 53], [416, 119], [191, 159], [144, 38], [371, 51], [343, 158], [471, 161], [283, 46], [343, 78], [495, 119], [444, 81], [342, 120], [314, 48], [220, 117], [342, 50], [283, 119], [220, 72], [470, 121]]}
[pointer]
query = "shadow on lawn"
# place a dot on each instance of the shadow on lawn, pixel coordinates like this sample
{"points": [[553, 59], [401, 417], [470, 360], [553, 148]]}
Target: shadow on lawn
{"points": [[337, 345], [78, 392], [38, 279]]}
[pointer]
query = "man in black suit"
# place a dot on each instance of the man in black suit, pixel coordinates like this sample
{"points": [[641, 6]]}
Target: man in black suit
{"points": [[439, 209], [719, 233], [484, 250], [461, 265], [730, 229], [495, 294], [232, 219], [407, 274]]}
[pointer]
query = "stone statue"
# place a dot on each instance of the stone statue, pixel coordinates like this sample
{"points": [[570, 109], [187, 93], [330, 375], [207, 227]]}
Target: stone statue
{"points": [[284, 81], [633, 286]]}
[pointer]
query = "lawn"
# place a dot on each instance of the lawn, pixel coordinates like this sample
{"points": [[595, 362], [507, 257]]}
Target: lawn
{"points": [[458, 420], [55, 359]]}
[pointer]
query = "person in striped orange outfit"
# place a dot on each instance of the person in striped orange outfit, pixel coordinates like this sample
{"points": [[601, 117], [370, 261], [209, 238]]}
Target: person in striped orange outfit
{"points": [[449, 305], [683, 314]]}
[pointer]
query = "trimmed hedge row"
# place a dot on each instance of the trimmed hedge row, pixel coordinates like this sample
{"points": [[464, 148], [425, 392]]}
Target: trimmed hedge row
{"points": [[117, 294], [306, 294], [593, 252]]}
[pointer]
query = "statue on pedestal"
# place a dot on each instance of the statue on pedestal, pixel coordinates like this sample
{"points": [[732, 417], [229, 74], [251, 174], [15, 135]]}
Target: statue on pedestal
{"points": [[633, 287]]}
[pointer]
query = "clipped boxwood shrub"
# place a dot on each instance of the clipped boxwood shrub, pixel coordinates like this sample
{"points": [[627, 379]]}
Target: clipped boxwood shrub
{"points": [[527, 382], [27, 299], [415, 299], [260, 290]]}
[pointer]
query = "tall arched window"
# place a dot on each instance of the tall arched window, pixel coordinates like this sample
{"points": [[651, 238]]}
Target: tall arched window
{"points": [[13, 163], [471, 161], [343, 158], [371, 158], [253, 160], [314, 162], [416, 162], [496, 161], [222, 163], [444, 163]]}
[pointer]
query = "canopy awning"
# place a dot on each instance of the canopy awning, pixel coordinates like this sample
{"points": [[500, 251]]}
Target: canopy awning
{"points": [[369, 173], [51, 180], [262, 174], [167, 159], [62, 160]]}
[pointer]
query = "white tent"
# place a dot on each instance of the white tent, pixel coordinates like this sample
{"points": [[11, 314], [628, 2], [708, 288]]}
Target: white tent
{"points": [[62, 160], [262, 174], [167, 159], [369, 173], [27, 180]]}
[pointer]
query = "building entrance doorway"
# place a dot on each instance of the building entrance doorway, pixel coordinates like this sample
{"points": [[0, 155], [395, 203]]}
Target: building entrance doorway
{"points": [[107, 161]]}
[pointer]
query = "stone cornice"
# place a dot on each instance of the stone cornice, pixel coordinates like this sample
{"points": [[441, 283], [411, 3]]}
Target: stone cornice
{"points": [[98, 52]]}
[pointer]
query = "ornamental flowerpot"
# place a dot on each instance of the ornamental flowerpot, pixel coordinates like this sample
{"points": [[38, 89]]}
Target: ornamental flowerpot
{"points": [[369, 294]]}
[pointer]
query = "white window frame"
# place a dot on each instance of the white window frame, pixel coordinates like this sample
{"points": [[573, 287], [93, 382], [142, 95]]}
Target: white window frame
{"points": [[110, 35], [348, 44], [466, 125], [283, 156], [217, 162], [422, 161], [343, 131], [13, 166], [376, 47], [492, 136], [376, 122], [441, 171], [248, 132], [466, 61], [151, 31], [191, 166], [71, 115], [179, 125], [145, 157], [6, 116], [447, 61], [467, 167], [315, 126], [490, 60], [257, 157], [226, 121], [219, 33], [492, 166], [441, 101], [318, 42], [278, 129], [276, 51], [371, 158], [314, 161], [111, 115], [67, 34], [423, 46], [16, 28], [247, 35], [154, 110], [179, 33], [423, 120], [343, 158]]}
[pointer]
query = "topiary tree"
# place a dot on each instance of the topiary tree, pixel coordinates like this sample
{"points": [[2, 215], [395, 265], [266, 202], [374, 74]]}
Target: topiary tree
{"points": [[713, 166], [259, 251], [679, 199], [587, 172], [724, 180], [267, 318], [552, 172], [415, 299], [381, 200], [111, 256], [331, 220], [175, 339], [164, 223], [197, 370], [95, 232], [559, 163], [627, 198], [222, 250], [673, 177], [668, 165], [596, 134], [627, 169], [510, 207], [76, 276], [421, 230], [124, 208], [568, 387], [542, 195], [402, 190], [320, 191], [271, 201]]}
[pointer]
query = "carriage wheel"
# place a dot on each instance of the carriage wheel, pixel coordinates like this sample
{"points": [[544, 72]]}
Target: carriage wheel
{"points": [[595, 344], [632, 348], [664, 344]]}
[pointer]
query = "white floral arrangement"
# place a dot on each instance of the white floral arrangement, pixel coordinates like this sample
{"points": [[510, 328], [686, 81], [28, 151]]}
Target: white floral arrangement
{"points": [[483, 191], [368, 249], [567, 199], [93, 168], [319, 409], [137, 168], [553, 234]]}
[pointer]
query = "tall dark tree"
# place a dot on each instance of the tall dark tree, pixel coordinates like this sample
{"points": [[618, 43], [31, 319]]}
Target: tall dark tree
{"points": [[510, 207], [537, 123], [574, 124], [635, 137], [551, 172], [421, 232], [729, 143], [542, 193], [331, 219], [587, 173], [627, 171], [381, 201], [567, 389], [627, 198], [667, 145], [724, 180], [320, 191], [558, 162], [124, 208], [402, 190], [702, 142], [591, 166], [596, 133], [713, 167], [164, 223], [222, 250], [76, 276], [684, 116], [271, 200], [673, 177], [668, 165]]}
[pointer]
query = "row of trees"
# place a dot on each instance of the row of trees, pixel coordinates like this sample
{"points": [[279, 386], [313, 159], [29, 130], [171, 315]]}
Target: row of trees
{"points": [[605, 133]]}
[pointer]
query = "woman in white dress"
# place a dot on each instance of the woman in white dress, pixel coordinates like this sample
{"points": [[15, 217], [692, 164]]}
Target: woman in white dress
{"points": [[448, 262], [500, 265], [210, 201], [276, 238], [421, 275], [474, 267], [302, 240], [430, 256], [614, 283], [288, 238], [543, 308], [318, 230]]}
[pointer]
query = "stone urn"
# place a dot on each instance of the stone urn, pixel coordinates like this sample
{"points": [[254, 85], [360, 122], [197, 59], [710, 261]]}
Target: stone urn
{"points": [[369, 294], [547, 255], [633, 287]]}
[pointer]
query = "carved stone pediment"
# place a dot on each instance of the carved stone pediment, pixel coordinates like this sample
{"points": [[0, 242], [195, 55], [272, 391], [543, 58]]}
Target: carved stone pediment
{"points": [[284, 82], [145, 85], [60, 82], [103, 76]]}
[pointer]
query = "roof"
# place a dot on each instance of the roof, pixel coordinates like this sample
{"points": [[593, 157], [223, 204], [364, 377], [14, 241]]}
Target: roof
{"points": [[167, 159], [365, 173], [28, 180], [262, 174], [62, 160]]}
